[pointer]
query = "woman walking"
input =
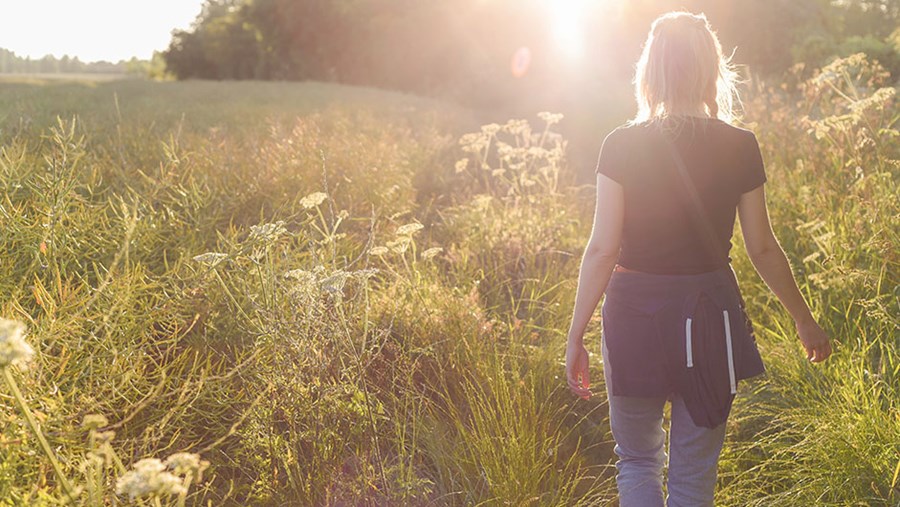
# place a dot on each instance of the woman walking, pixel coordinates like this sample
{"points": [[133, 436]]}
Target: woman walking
{"points": [[669, 184]]}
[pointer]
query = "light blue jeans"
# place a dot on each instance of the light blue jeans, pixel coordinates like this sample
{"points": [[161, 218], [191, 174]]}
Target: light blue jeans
{"points": [[693, 453]]}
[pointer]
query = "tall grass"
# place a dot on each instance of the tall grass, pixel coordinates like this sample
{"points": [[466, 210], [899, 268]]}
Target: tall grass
{"points": [[828, 434], [360, 305]]}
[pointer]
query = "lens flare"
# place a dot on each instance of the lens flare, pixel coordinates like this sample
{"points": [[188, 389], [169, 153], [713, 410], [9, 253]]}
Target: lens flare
{"points": [[521, 61]]}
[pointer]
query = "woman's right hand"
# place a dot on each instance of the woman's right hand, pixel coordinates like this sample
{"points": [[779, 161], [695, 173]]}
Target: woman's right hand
{"points": [[814, 340]]}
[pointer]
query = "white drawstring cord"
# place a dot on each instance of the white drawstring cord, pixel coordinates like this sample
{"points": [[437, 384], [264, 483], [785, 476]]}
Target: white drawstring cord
{"points": [[730, 354], [687, 332], [690, 354]]}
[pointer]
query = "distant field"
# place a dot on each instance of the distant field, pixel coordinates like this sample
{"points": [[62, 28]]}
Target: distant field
{"points": [[346, 296], [197, 104]]}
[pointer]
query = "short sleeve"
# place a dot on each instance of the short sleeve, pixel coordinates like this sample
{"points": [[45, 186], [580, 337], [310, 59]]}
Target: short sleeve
{"points": [[611, 162], [754, 173]]}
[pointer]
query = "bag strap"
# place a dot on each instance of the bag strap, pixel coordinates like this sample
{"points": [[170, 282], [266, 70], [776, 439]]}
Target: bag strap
{"points": [[707, 229]]}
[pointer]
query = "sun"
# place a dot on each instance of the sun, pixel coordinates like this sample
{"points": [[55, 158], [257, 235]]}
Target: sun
{"points": [[567, 23]]}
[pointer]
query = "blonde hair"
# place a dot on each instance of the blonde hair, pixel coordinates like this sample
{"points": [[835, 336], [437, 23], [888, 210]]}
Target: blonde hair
{"points": [[682, 69]]}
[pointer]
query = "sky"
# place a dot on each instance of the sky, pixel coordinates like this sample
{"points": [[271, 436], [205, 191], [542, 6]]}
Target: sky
{"points": [[92, 30]]}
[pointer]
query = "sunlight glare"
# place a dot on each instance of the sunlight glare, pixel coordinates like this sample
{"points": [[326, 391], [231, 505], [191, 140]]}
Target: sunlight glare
{"points": [[568, 28]]}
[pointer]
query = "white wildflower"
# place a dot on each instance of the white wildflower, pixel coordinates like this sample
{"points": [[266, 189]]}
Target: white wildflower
{"points": [[301, 275], [94, 421], [210, 258], [306, 282], [490, 129], [505, 151], [461, 165], [13, 347], [469, 139], [550, 118], [399, 245], [409, 229], [335, 282], [537, 151], [378, 250], [314, 199], [825, 76], [517, 127], [431, 252], [148, 477], [186, 462], [474, 142], [267, 232]]}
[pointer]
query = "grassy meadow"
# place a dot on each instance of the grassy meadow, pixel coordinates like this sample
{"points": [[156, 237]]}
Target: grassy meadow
{"points": [[344, 296]]}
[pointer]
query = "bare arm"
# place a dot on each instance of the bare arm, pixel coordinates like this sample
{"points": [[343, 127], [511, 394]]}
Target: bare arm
{"points": [[600, 255], [597, 265], [772, 265]]}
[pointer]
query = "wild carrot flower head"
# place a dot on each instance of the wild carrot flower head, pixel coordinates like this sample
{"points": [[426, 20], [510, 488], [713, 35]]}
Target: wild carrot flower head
{"points": [[490, 129], [431, 252], [550, 118], [94, 421], [186, 462], [149, 477], [409, 229], [13, 347], [210, 258], [399, 245], [314, 199], [267, 232]]}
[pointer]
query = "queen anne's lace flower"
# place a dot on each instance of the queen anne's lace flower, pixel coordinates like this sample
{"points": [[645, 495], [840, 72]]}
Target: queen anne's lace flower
{"points": [[314, 199], [13, 347], [210, 258], [186, 462], [400, 245], [334, 283], [409, 229], [517, 126], [94, 421], [149, 477], [267, 232], [550, 118], [301, 275], [431, 252], [490, 129]]}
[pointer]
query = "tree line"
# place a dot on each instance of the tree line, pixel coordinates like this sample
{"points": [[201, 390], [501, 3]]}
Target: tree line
{"points": [[465, 47], [11, 63]]}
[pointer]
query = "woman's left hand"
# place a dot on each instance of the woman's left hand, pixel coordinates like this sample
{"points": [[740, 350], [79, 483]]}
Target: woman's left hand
{"points": [[577, 374]]}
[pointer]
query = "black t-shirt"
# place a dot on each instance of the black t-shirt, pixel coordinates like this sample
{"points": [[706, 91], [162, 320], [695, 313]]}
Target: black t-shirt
{"points": [[661, 233]]}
